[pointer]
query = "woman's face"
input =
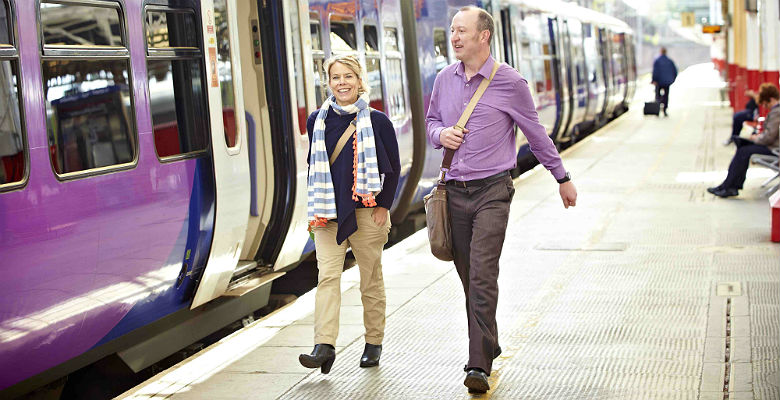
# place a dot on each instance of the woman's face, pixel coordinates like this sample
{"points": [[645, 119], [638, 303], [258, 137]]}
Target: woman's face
{"points": [[344, 84]]}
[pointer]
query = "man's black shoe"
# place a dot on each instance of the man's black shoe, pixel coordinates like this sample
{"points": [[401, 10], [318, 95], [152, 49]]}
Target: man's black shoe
{"points": [[476, 381], [371, 355], [714, 189], [726, 192]]}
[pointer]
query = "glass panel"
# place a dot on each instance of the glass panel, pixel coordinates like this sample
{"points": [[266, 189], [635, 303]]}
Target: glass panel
{"points": [[11, 138], [5, 26], [374, 79], [316, 38], [391, 39], [396, 103], [440, 48], [178, 106], [77, 25], [300, 84], [372, 41], [342, 37], [320, 91], [88, 113], [166, 29], [225, 71]]}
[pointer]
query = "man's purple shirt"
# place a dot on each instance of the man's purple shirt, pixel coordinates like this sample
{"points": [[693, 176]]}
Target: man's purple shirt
{"points": [[489, 147]]}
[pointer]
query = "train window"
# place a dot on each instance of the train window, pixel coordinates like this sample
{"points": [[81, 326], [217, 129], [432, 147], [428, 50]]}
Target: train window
{"points": [[225, 72], [86, 81], [316, 37], [176, 86], [318, 57], [12, 138], [5, 30], [440, 48], [373, 68], [169, 29], [81, 25], [372, 41], [391, 39], [342, 36], [301, 83], [396, 100]]}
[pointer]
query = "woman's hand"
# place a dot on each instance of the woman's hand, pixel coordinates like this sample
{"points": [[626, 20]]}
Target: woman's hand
{"points": [[380, 215]]}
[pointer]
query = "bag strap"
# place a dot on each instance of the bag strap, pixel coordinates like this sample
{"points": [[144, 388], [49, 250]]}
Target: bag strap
{"points": [[342, 141], [461, 125]]}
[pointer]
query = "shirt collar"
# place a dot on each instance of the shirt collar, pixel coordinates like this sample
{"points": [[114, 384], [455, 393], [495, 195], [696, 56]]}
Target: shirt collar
{"points": [[485, 71]]}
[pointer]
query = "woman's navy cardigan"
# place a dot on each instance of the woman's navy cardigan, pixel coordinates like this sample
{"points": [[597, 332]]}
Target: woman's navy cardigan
{"points": [[341, 170]]}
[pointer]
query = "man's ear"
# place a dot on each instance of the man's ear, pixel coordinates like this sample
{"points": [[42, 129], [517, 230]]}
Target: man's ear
{"points": [[485, 35]]}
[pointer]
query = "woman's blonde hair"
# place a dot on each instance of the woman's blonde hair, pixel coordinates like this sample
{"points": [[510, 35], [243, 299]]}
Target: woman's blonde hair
{"points": [[353, 63]]}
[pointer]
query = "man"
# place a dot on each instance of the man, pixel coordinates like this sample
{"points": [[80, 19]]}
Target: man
{"points": [[759, 143], [479, 188], [664, 74]]}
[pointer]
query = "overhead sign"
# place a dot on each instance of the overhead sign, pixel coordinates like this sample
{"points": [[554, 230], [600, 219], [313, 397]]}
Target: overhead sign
{"points": [[710, 29], [687, 19]]}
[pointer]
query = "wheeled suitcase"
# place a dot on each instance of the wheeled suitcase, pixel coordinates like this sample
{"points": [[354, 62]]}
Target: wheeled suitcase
{"points": [[652, 108]]}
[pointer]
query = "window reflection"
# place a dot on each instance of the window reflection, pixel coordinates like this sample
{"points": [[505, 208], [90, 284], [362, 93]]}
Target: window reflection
{"points": [[11, 137], [440, 49], [396, 102], [373, 67], [5, 24], [178, 110], [342, 37], [88, 113], [77, 25], [225, 72], [165, 29]]}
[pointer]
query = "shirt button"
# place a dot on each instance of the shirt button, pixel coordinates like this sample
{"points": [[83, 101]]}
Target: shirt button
{"points": [[461, 160], [467, 84], [464, 103]]}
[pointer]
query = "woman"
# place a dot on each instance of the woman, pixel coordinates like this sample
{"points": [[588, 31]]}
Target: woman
{"points": [[763, 143], [348, 206]]}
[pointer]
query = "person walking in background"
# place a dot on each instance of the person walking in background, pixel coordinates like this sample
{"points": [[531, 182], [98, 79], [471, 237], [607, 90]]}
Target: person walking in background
{"points": [[348, 205], [763, 143], [479, 187], [740, 117], [664, 74]]}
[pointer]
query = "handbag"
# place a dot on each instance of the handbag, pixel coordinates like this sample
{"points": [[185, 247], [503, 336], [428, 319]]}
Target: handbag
{"points": [[437, 214]]}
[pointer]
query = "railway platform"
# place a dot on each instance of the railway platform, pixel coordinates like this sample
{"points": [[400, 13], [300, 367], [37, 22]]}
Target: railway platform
{"points": [[650, 288]]}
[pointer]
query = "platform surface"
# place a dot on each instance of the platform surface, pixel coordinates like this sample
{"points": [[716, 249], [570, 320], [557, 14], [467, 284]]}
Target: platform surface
{"points": [[625, 296]]}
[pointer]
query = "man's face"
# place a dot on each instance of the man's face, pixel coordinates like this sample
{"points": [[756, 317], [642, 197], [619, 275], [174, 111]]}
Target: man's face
{"points": [[465, 37]]}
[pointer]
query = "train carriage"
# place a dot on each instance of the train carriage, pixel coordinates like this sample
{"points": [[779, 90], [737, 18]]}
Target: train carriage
{"points": [[153, 152]]}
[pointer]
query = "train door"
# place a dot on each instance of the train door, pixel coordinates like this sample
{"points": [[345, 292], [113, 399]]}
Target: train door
{"points": [[510, 32], [605, 49], [578, 77], [229, 147], [559, 39], [276, 38]]}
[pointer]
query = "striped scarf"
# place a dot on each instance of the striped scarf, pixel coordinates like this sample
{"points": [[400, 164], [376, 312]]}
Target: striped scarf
{"points": [[365, 170]]}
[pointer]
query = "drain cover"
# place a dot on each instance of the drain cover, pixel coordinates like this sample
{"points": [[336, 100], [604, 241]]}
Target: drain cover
{"points": [[729, 289]]}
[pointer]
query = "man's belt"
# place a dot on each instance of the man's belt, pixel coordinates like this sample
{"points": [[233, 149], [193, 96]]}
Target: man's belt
{"points": [[478, 182]]}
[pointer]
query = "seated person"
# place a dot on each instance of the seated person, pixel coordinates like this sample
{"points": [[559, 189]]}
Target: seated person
{"points": [[761, 143], [748, 114]]}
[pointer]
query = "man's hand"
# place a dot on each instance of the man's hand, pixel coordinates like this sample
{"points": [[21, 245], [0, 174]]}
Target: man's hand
{"points": [[568, 194], [452, 137], [379, 215]]}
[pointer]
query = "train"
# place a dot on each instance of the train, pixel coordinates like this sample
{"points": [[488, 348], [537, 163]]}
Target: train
{"points": [[153, 152]]}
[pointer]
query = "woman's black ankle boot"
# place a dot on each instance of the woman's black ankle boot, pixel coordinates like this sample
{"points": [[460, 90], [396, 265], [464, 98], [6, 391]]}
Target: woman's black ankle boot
{"points": [[371, 355], [322, 357]]}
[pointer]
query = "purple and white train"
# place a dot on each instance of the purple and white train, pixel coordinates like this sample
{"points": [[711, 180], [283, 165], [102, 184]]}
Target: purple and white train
{"points": [[152, 152]]}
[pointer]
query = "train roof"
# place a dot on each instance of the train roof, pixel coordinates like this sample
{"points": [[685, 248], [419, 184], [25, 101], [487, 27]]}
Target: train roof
{"points": [[571, 10]]}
